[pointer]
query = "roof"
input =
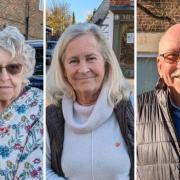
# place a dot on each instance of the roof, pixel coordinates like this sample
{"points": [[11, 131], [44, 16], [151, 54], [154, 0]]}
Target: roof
{"points": [[107, 5], [101, 12]]}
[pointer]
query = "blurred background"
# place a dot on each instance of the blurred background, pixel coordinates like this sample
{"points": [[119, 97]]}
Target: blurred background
{"points": [[114, 17]]}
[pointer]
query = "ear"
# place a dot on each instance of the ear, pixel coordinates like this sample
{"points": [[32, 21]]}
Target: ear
{"points": [[159, 66]]}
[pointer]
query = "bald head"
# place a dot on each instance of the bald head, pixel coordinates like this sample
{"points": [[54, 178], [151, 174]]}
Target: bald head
{"points": [[170, 40]]}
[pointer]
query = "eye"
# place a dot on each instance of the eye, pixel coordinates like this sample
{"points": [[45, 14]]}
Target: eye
{"points": [[14, 68], [92, 58], [73, 61], [172, 56]]}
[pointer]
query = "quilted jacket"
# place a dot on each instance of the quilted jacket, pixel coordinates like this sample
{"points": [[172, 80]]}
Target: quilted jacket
{"points": [[158, 149]]}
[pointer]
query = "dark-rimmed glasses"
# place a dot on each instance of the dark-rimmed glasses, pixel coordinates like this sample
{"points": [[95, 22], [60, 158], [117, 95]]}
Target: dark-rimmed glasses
{"points": [[12, 69], [171, 57]]}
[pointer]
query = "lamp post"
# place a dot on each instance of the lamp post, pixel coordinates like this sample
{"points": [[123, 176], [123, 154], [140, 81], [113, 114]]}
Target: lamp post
{"points": [[27, 19]]}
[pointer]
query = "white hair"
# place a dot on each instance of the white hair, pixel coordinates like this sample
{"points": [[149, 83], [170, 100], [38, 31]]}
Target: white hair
{"points": [[12, 41], [57, 84]]}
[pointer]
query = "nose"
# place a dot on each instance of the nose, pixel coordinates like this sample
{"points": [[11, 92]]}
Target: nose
{"points": [[4, 75], [178, 62], [83, 67]]}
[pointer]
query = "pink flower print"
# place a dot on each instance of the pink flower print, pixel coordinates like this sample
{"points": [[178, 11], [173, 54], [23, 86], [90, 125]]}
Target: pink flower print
{"points": [[34, 173], [37, 161], [34, 103], [17, 146], [4, 129], [32, 116], [21, 149], [28, 128], [39, 169]]}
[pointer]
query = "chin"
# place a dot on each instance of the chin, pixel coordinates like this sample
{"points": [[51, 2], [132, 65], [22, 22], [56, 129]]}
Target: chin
{"points": [[176, 86], [178, 91], [174, 91], [6, 98], [88, 90]]}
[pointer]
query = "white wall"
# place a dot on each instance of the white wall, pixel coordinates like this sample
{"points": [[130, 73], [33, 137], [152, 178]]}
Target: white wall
{"points": [[147, 74], [107, 27]]}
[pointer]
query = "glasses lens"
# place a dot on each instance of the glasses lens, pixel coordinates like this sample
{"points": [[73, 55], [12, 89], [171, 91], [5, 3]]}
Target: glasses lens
{"points": [[171, 57], [14, 68]]}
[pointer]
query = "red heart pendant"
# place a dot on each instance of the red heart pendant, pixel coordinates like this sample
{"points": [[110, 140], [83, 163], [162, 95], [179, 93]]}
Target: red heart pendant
{"points": [[117, 144]]}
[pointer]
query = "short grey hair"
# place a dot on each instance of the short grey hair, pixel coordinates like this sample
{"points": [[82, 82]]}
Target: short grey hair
{"points": [[12, 41], [57, 84]]}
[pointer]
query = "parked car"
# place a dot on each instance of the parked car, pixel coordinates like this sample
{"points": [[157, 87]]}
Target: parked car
{"points": [[37, 79], [49, 51]]}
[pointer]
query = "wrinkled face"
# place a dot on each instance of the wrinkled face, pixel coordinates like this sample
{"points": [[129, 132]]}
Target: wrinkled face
{"points": [[10, 85], [170, 72], [84, 65]]}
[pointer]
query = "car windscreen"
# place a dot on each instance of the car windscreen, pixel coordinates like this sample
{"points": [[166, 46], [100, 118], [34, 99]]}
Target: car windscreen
{"points": [[39, 61]]}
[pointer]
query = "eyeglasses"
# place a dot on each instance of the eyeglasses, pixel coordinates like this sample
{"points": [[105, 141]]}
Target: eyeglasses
{"points": [[171, 57], [12, 69]]}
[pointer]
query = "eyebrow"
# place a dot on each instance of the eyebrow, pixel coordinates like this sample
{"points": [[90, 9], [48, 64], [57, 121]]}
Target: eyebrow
{"points": [[173, 50], [13, 62], [93, 54], [76, 57]]}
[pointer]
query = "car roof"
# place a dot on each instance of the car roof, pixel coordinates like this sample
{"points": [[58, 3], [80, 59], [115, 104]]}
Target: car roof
{"points": [[35, 43], [51, 41]]}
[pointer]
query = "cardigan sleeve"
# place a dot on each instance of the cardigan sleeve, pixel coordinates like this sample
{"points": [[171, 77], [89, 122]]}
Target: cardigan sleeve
{"points": [[50, 174]]}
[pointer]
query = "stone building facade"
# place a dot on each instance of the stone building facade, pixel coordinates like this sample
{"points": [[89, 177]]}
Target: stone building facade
{"points": [[25, 15]]}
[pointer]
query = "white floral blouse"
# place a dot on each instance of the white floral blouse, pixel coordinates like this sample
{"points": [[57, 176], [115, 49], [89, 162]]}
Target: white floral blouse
{"points": [[21, 137]]}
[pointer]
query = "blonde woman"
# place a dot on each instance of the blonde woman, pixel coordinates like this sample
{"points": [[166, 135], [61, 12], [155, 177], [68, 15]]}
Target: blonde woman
{"points": [[90, 119]]}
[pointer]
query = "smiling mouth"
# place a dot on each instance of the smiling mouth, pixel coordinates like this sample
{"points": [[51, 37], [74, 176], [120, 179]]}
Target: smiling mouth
{"points": [[5, 87], [85, 78]]}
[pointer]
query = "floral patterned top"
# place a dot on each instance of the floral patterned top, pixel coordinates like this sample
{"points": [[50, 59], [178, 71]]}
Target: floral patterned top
{"points": [[21, 137]]}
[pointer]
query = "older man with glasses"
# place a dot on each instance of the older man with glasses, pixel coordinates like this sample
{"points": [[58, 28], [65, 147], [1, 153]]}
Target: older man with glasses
{"points": [[158, 122]]}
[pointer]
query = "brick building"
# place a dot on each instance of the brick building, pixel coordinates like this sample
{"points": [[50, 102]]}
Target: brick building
{"points": [[116, 19], [153, 18], [157, 15], [24, 14]]}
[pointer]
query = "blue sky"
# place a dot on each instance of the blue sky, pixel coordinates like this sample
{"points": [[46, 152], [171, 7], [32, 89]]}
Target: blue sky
{"points": [[81, 8]]}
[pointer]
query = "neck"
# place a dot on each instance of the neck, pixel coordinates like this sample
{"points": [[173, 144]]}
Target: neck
{"points": [[87, 99], [4, 105], [175, 97]]}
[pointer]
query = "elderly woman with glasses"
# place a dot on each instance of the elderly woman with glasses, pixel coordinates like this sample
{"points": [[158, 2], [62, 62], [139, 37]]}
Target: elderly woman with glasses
{"points": [[20, 110], [90, 119]]}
